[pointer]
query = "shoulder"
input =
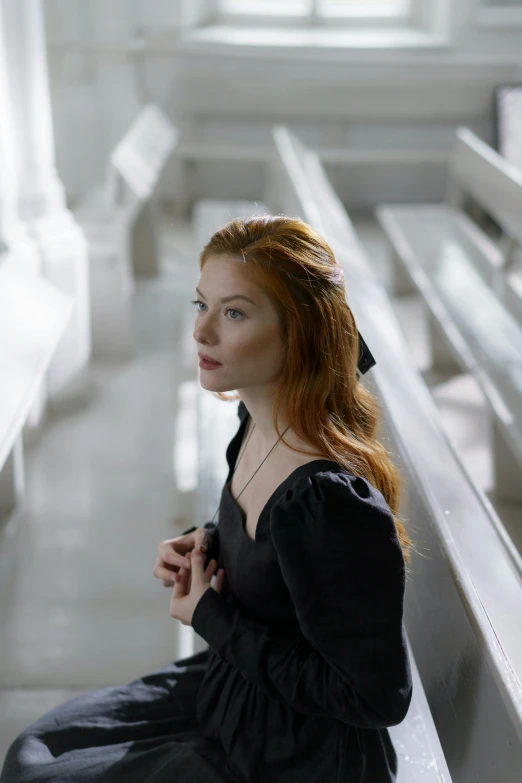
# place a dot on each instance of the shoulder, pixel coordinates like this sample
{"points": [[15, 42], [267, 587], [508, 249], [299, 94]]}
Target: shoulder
{"points": [[329, 489], [332, 504]]}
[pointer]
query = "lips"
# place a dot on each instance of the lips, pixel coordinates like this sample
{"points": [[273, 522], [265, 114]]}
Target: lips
{"points": [[207, 358]]}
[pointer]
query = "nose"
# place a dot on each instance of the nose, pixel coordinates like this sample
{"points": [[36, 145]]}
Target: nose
{"points": [[202, 335], [203, 332], [198, 336]]}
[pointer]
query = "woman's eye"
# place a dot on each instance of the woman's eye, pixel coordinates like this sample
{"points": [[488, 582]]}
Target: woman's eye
{"points": [[229, 309]]}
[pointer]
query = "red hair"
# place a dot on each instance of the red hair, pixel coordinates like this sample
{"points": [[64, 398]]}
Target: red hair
{"points": [[325, 403]]}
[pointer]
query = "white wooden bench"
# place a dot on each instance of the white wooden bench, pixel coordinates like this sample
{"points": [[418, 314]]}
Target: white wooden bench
{"points": [[446, 258], [495, 184], [478, 172], [464, 589], [120, 225], [33, 317]]}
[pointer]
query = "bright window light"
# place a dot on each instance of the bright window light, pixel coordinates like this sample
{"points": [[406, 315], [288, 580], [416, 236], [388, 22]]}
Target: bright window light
{"points": [[271, 7], [363, 7], [322, 7]]}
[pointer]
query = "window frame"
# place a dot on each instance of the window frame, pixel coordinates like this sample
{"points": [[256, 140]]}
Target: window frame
{"points": [[413, 17]]}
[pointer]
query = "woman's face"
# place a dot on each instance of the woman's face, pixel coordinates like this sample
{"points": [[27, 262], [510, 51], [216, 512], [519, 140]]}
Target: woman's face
{"points": [[245, 336]]}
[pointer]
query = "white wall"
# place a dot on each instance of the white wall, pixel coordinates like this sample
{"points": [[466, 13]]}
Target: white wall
{"points": [[384, 118]]}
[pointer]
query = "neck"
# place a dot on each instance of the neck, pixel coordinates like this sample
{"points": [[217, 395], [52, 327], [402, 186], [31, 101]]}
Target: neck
{"points": [[261, 412]]}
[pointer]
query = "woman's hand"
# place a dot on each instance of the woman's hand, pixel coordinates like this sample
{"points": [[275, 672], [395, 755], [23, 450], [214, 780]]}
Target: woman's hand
{"points": [[173, 551], [191, 585]]}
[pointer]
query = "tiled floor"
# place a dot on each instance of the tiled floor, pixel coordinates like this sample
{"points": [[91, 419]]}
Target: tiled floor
{"points": [[79, 606]]}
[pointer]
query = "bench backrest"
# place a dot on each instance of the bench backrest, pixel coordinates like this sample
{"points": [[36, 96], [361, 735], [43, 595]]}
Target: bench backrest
{"points": [[136, 162], [493, 182], [459, 553]]}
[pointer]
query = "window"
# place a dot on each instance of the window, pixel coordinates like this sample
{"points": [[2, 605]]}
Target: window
{"points": [[317, 11], [363, 8], [328, 24], [262, 7]]}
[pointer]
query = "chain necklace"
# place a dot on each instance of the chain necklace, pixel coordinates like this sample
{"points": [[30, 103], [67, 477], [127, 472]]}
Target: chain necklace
{"points": [[237, 463]]}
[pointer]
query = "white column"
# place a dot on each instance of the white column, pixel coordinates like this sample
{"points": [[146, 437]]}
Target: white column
{"points": [[15, 245], [40, 190], [41, 198], [7, 167], [15, 248]]}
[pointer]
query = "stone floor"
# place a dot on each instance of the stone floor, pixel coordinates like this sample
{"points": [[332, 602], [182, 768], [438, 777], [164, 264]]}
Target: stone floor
{"points": [[79, 606]]}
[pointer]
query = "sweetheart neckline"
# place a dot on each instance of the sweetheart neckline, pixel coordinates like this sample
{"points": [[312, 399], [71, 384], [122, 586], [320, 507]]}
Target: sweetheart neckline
{"points": [[272, 498]]}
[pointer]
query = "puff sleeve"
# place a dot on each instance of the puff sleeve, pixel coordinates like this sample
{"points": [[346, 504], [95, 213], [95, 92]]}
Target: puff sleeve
{"points": [[343, 566]]}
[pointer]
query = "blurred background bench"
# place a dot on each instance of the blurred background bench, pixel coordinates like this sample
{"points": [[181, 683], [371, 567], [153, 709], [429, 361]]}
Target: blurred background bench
{"points": [[460, 275], [33, 317], [120, 221]]}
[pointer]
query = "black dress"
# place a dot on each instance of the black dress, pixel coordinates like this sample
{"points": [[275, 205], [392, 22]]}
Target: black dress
{"points": [[307, 663]]}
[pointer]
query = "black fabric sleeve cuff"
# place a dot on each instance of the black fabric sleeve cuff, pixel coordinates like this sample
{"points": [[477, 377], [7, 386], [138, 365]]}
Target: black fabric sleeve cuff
{"points": [[213, 619]]}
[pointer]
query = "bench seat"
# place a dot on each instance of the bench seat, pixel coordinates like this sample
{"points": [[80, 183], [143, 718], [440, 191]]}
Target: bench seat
{"points": [[436, 234]]}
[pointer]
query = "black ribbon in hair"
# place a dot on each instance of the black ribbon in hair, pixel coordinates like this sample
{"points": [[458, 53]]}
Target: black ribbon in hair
{"points": [[366, 360]]}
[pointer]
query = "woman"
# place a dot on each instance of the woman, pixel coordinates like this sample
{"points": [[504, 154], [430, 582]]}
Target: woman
{"points": [[300, 592]]}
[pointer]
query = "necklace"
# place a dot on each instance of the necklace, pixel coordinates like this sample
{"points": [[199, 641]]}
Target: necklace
{"points": [[237, 463]]}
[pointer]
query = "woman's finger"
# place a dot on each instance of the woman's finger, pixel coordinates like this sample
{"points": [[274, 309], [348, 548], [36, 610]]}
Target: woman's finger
{"points": [[180, 587], [166, 573], [220, 579], [203, 540], [210, 569], [173, 551]]}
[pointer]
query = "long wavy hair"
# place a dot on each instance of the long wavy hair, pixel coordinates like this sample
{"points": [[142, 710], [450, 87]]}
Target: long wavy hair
{"points": [[324, 401]]}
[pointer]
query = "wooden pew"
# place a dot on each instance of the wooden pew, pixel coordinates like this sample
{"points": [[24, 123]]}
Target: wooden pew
{"points": [[33, 317], [441, 254], [464, 590], [120, 225], [477, 170]]}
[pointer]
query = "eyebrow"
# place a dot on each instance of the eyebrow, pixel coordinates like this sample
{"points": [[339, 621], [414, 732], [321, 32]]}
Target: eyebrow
{"points": [[229, 298]]}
